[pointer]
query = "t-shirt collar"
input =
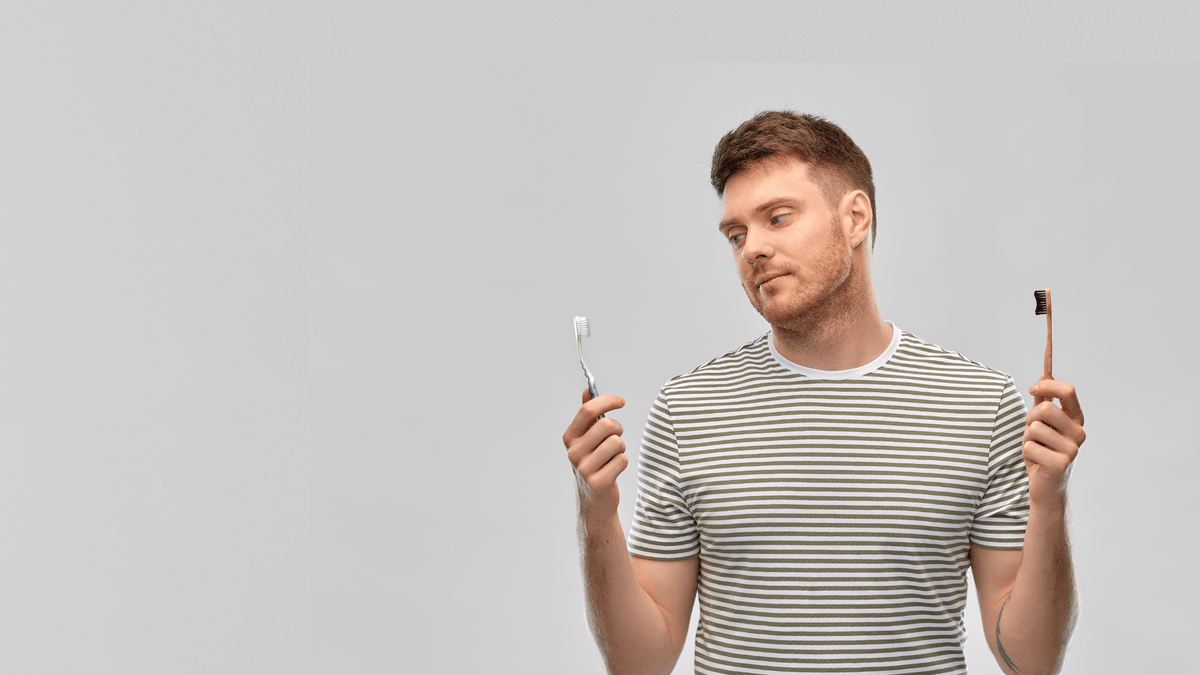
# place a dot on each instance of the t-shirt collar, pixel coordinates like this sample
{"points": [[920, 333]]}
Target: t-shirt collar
{"points": [[837, 374]]}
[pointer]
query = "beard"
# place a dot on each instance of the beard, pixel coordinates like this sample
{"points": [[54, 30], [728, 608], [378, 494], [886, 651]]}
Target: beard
{"points": [[814, 292]]}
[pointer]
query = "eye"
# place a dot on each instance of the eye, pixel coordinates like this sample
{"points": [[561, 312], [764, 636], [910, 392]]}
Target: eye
{"points": [[778, 220], [736, 238]]}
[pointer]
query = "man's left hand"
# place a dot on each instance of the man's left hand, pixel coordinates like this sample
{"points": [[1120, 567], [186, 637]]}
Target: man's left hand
{"points": [[1052, 439]]}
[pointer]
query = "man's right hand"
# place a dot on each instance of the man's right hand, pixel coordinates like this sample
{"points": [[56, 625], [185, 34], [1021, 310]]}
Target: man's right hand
{"points": [[597, 454], [638, 609]]}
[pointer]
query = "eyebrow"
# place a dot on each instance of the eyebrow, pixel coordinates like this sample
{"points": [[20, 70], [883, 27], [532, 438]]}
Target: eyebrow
{"points": [[765, 206]]}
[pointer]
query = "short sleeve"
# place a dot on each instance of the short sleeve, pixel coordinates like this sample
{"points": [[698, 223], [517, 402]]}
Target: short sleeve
{"points": [[1003, 510], [663, 526]]}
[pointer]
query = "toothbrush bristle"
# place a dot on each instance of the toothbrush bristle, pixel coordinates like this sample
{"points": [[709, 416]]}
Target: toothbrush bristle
{"points": [[1040, 296], [583, 326]]}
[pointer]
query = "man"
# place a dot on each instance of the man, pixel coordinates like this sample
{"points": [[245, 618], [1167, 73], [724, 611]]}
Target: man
{"points": [[826, 486]]}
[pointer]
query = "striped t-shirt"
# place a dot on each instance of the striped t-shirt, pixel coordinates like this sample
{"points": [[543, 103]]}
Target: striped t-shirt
{"points": [[832, 512]]}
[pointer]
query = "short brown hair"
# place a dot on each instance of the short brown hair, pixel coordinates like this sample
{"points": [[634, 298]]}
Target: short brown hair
{"points": [[838, 164]]}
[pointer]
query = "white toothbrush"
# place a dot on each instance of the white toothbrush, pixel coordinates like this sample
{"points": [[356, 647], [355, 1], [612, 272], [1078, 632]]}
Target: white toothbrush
{"points": [[584, 329]]}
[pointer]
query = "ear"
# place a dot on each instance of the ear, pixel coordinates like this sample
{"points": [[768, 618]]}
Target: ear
{"points": [[856, 216]]}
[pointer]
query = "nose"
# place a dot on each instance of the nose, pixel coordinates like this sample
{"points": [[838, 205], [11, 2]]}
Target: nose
{"points": [[756, 246]]}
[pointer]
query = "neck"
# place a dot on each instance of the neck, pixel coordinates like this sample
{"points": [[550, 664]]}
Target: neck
{"points": [[846, 332]]}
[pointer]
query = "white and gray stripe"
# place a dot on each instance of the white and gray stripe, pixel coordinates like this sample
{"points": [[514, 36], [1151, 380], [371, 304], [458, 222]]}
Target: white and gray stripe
{"points": [[832, 512]]}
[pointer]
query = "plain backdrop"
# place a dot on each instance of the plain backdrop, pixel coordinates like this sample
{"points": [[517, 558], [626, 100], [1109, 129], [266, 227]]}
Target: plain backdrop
{"points": [[286, 294]]}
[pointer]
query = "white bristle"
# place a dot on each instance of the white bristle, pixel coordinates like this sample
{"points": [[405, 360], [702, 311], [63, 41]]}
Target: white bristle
{"points": [[582, 326]]}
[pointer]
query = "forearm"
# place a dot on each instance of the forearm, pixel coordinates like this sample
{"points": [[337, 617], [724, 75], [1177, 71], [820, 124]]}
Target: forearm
{"points": [[629, 627], [1038, 617]]}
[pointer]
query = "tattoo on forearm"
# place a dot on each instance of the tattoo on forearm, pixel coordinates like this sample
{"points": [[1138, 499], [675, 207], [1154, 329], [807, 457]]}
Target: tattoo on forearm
{"points": [[1000, 645]]}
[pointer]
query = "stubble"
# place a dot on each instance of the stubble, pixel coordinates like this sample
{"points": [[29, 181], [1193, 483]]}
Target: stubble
{"points": [[825, 300]]}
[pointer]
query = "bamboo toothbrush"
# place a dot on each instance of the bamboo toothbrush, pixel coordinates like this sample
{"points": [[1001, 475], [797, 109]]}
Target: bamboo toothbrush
{"points": [[1043, 307]]}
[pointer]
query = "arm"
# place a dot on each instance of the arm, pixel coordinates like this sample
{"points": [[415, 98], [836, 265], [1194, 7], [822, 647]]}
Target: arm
{"points": [[1027, 598], [638, 609]]}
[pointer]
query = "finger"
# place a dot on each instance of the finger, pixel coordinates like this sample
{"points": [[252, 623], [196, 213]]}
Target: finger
{"points": [[1065, 393], [1054, 462], [596, 460], [596, 435], [1054, 417], [1051, 439], [587, 414], [591, 439], [595, 407], [607, 475]]}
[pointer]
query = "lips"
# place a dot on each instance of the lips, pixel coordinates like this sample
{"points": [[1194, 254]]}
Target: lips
{"points": [[767, 278]]}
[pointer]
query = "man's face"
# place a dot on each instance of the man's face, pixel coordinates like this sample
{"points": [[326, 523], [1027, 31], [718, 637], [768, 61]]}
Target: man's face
{"points": [[790, 249]]}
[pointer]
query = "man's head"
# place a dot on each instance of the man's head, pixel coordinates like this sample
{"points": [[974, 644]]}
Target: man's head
{"points": [[837, 164], [798, 237]]}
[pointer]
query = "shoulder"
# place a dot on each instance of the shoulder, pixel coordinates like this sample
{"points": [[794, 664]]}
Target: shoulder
{"points": [[918, 358], [747, 361]]}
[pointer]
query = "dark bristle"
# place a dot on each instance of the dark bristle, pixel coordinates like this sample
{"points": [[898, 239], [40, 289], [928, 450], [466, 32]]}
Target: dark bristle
{"points": [[1040, 296]]}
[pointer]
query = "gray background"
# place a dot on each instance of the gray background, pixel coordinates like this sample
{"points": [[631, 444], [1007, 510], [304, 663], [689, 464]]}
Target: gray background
{"points": [[285, 295]]}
